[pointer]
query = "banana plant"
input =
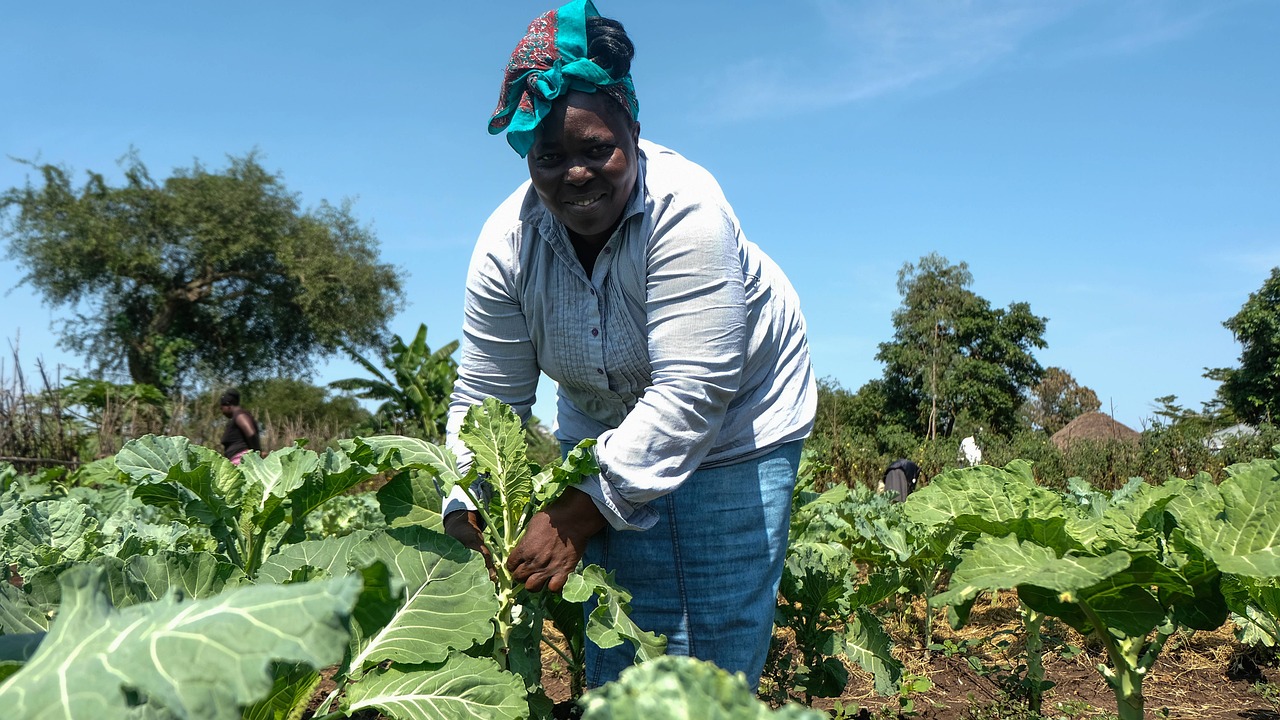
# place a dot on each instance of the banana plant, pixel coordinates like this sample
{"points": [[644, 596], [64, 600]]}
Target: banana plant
{"points": [[415, 397]]}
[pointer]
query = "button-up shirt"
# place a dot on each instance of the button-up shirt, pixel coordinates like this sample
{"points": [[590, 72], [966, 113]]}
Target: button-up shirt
{"points": [[684, 348]]}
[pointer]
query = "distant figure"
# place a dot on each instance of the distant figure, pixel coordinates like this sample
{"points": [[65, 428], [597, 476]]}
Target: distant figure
{"points": [[901, 479], [241, 434], [970, 452]]}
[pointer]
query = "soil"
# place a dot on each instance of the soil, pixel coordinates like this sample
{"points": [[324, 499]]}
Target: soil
{"points": [[1202, 675]]}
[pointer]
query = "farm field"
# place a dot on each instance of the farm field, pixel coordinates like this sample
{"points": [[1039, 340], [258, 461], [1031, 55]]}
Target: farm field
{"points": [[983, 595]]}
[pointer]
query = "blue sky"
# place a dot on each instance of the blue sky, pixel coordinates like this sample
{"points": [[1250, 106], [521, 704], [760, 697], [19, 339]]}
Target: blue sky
{"points": [[1114, 163]]}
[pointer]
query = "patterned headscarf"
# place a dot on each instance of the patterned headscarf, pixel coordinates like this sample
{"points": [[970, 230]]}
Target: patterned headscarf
{"points": [[550, 61]]}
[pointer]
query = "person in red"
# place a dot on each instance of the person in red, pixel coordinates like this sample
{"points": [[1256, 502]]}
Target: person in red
{"points": [[241, 434]]}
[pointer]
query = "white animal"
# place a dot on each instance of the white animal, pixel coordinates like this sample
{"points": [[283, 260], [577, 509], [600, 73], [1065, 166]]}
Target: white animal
{"points": [[970, 452]]}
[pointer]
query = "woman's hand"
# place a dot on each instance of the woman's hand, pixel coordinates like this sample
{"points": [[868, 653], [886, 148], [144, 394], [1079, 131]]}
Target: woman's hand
{"points": [[555, 541], [464, 526]]}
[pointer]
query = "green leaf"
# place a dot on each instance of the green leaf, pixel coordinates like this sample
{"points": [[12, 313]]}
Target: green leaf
{"points": [[456, 688], [412, 498], [335, 474], [1244, 539], [332, 555], [678, 687], [199, 659], [448, 601], [1003, 563], [195, 575], [19, 614], [867, 644], [290, 694], [993, 501], [496, 439], [580, 463], [608, 624]]}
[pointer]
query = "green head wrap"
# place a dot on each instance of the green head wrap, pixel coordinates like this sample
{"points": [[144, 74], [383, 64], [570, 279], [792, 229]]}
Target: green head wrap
{"points": [[550, 61]]}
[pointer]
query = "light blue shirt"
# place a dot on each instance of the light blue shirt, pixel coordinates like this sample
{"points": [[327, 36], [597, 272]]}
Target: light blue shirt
{"points": [[685, 348]]}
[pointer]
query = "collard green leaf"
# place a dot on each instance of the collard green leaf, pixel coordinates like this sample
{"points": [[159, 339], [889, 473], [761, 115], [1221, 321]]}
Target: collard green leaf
{"points": [[1244, 539], [48, 532], [1130, 520], [412, 497], [580, 463], [1126, 611], [172, 472], [198, 659], [448, 600], [194, 575], [332, 555], [682, 688], [497, 442], [19, 613], [335, 474], [1004, 563], [608, 624], [993, 501], [457, 688], [290, 694], [396, 452], [867, 644]]}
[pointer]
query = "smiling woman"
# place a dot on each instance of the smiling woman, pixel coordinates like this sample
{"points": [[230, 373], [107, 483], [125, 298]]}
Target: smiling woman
{"points": [[620, 271]]}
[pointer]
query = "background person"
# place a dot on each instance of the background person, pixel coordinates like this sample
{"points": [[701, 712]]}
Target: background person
{"points": [[241, 434], [621, 272]]}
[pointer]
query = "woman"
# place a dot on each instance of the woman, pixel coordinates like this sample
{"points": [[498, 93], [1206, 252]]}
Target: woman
{"points": [[619, 270], [241, 434]]}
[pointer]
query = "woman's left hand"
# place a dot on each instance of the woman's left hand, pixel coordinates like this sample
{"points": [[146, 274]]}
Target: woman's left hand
{"points": [[555, 541]]}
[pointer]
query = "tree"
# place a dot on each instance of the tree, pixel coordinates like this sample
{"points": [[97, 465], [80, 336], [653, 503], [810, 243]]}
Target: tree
{"points": [[1058, 399], [1252, 391], [955, 361], [220, 272]]}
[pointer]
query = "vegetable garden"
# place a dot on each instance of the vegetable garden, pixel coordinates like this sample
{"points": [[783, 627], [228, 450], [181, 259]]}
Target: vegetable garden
{"points": [[164, 582]]}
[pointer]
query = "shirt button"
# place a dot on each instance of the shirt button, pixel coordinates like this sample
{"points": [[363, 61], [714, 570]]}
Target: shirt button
{"points": [[593, 292], [600, 371], [595, 332], [608, 250]]}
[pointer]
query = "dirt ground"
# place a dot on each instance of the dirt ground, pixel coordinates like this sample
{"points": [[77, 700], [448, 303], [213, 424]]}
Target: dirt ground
{"points": [[1204, 675]]}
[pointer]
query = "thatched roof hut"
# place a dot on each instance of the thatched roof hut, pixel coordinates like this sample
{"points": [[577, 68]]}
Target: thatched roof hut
{"points": [[1094, 426]]}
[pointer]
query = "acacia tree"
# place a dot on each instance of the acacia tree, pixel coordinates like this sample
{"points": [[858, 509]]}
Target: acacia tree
{"points": [[1252, 391], [215, 271], [1058, 399], [954, 360]]}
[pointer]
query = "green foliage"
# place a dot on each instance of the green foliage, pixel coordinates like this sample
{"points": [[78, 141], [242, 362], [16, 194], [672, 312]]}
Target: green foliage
{"points": [[825, 610], [955, 362], [1128, 567], [252, 509], [1252, 391], [682, 687], [217, 271], [184, 659], [1057, 400], [415, 398], [280, 401]]}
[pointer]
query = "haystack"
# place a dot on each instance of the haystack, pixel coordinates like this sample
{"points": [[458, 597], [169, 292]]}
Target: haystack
{"points": [[1094, 426]]}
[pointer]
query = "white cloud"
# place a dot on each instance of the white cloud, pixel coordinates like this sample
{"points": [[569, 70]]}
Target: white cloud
{"points": [[865, 49]]}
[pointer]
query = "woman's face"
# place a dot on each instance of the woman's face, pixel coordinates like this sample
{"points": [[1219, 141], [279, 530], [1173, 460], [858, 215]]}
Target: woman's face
{"points": [[583, 163]]}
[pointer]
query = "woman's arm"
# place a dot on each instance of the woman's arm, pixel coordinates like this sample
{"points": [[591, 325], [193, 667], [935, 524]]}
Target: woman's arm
{"points": [[697, 338]]}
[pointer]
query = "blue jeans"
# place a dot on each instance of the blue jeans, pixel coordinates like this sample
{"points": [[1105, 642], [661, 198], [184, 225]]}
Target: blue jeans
{"points": [[706, 575]]}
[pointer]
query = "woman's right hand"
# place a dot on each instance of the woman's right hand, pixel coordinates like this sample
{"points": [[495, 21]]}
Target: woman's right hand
{"points": [[464, 526]]}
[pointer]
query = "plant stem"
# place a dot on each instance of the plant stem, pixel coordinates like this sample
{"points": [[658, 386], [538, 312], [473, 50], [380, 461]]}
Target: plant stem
{"points": [[1035, 663], [1126, 676]]}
